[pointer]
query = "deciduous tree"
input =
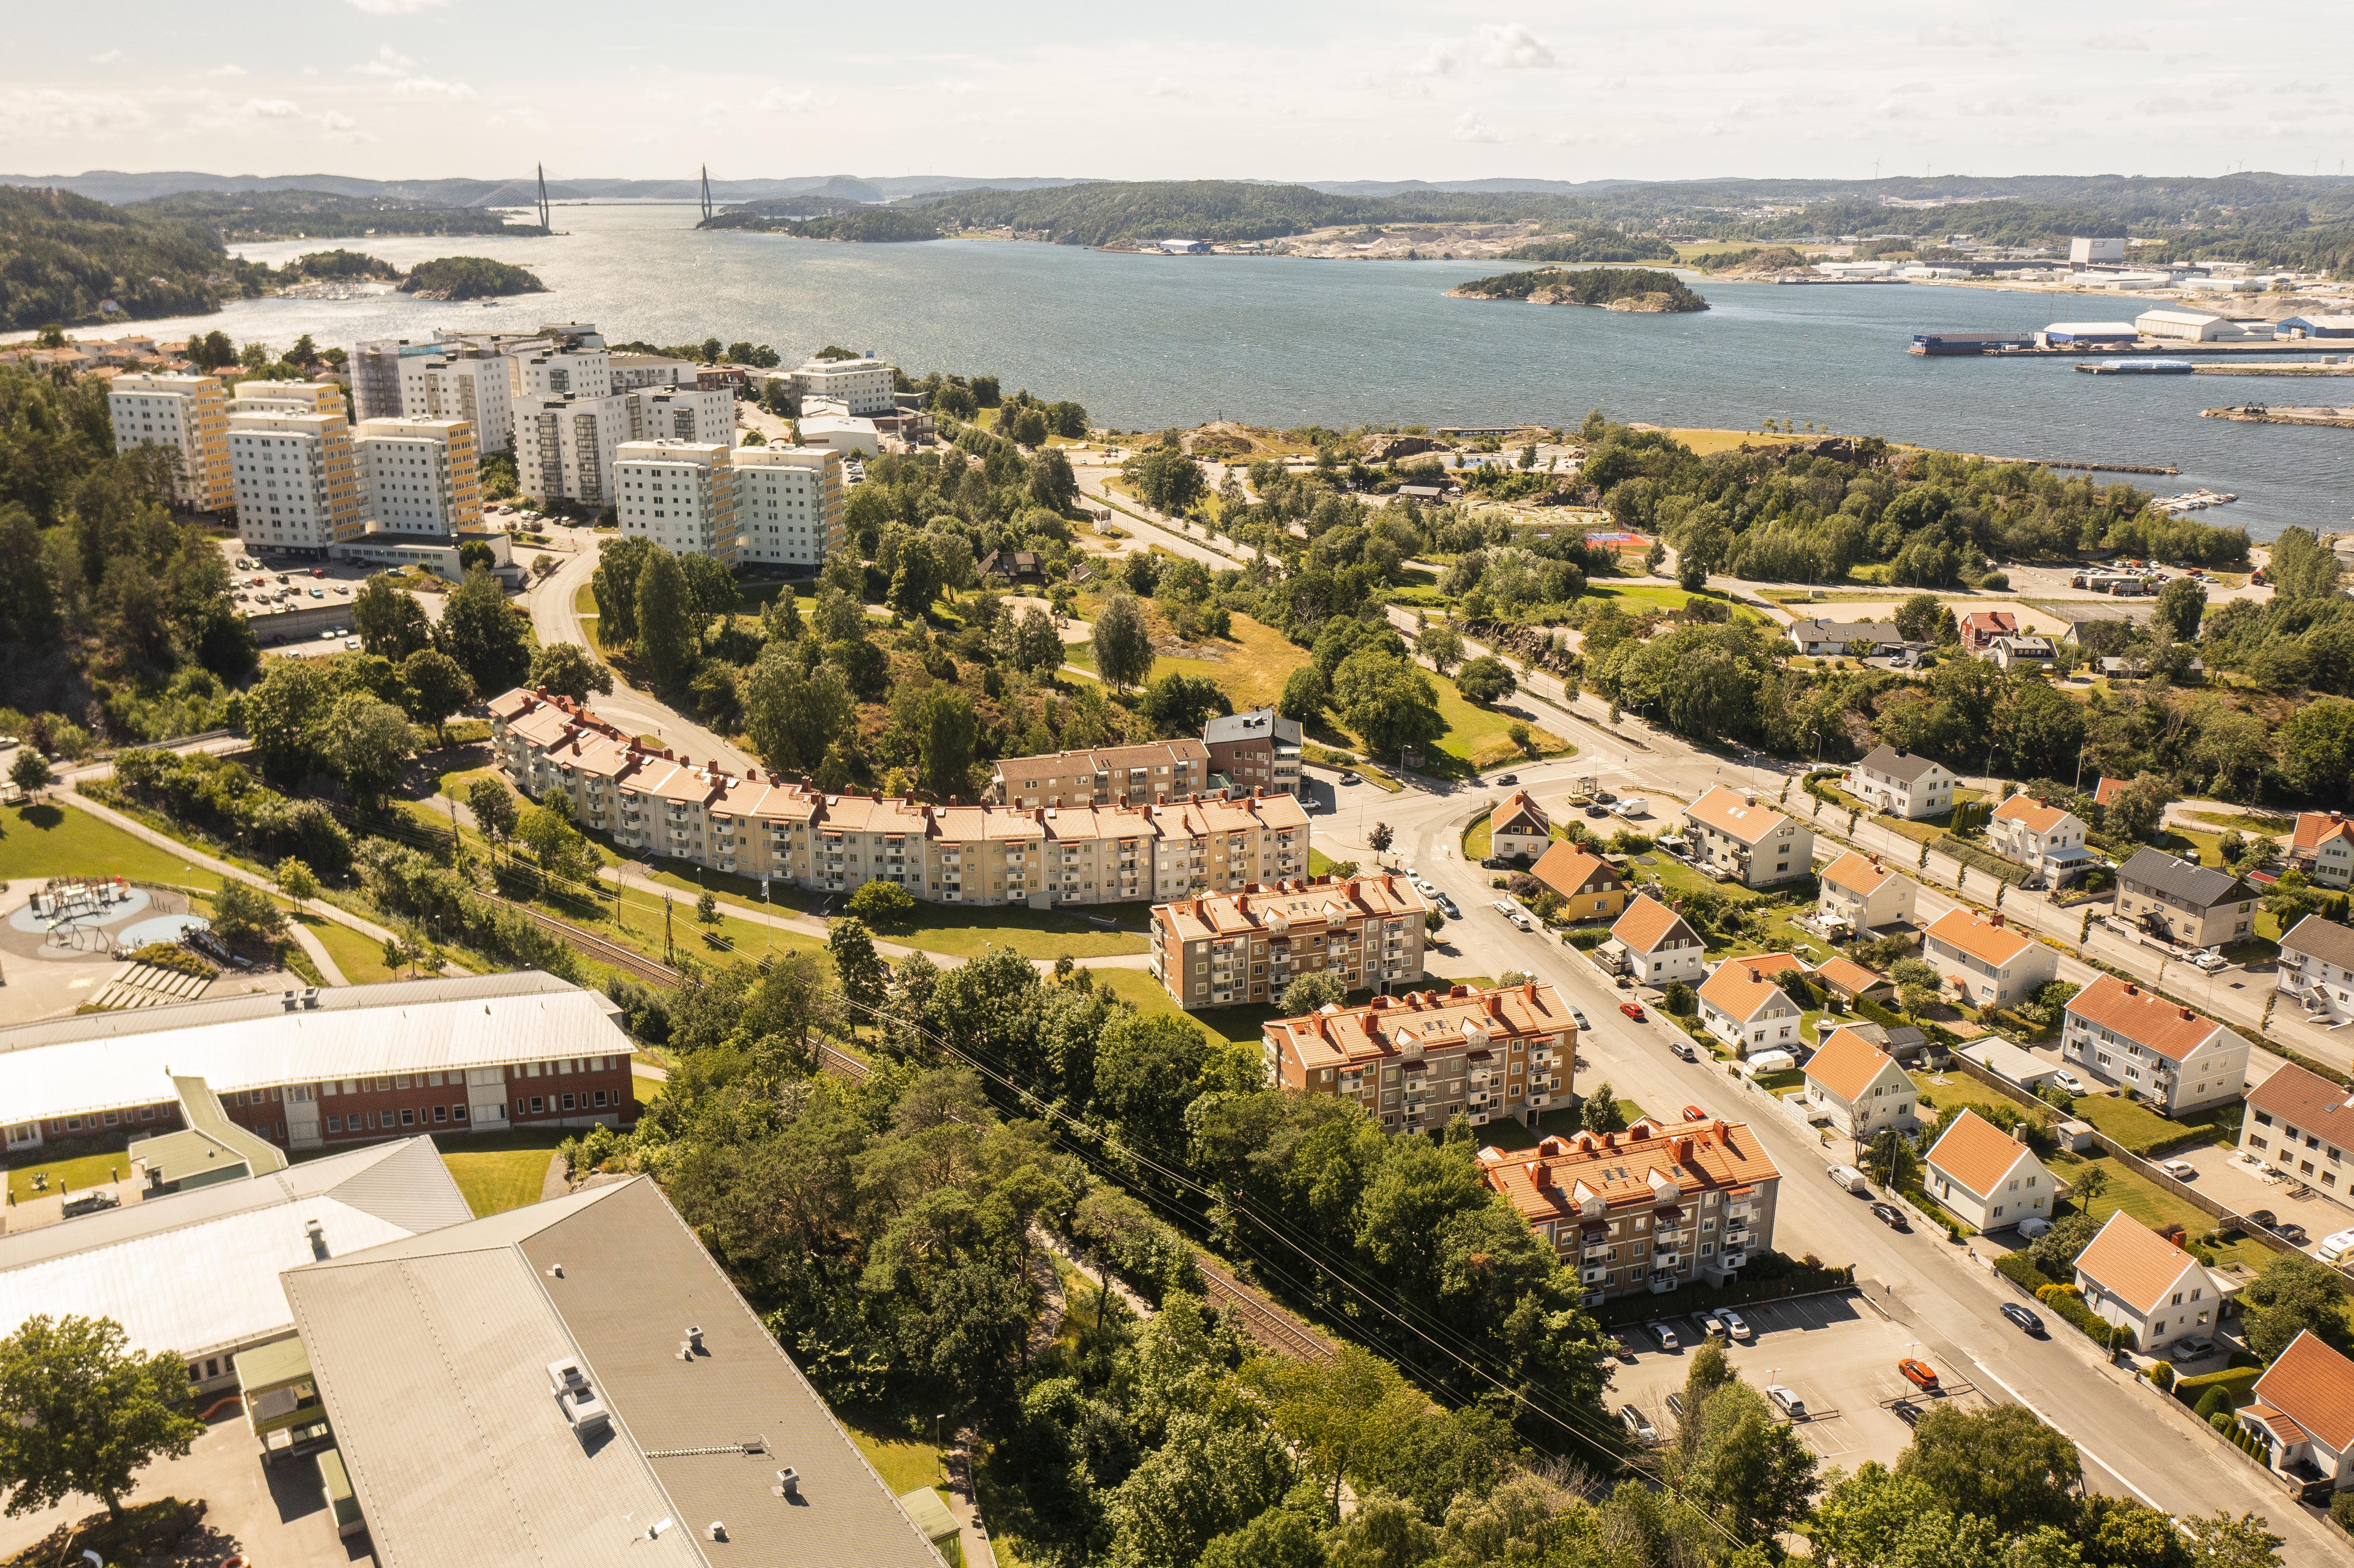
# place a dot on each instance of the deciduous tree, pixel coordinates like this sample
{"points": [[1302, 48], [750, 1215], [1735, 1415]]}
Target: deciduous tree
{"points": [[434, 687], [82, 1413], [566, 669], [1123, 643], [666, 619], [482, 631]]}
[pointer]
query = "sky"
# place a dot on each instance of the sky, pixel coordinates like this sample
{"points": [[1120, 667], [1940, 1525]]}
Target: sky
{"points": [[1214, 88]]}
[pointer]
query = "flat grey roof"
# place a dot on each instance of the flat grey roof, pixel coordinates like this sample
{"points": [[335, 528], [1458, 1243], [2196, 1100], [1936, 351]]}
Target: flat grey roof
{"points": [[432, 1356], [244, 1005], [1250, 725]]}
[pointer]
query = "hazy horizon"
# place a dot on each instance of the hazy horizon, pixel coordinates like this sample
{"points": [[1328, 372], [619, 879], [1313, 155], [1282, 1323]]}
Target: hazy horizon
{"points": [[387, 88]]}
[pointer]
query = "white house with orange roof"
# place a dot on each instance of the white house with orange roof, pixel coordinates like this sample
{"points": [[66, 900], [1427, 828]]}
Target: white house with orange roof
{"points": [[2304, 1411], [1653, 945], [1735, 837], [1245, 946], [1741, 1005], [2037, 833], [1520, 827], [1864, 894], [1659, 1205], [653, 801], [1860, 1087], [1416, 1061], [2322, 846], [2177, 1059], [1986, 1177], [2136, 1279], [1986, 961]]}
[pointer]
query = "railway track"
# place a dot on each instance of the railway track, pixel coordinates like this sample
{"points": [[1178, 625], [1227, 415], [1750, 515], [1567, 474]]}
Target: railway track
{"points": [[611, 954], [1270, 1327]]}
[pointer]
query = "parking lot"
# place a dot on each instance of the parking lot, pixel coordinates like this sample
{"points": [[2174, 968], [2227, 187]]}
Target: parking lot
{"points": [[2241, 1185], [1835, 1352]]}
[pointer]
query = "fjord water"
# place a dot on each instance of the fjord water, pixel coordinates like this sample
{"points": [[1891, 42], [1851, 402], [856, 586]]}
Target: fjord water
{"points": [[1146, 342]]}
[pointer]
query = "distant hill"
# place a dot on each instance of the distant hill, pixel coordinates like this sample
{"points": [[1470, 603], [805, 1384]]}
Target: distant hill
{"points": [[1111, 212], [241, 216], [63, 256], [866, 226], [112, 185]]}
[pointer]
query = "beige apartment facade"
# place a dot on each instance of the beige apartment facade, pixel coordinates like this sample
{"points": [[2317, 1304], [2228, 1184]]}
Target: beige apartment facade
{"points": [[1415, 1061], [1247, 946], [188, 414]]}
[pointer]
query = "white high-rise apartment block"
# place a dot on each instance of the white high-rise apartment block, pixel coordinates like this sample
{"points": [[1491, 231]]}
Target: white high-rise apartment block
{"points": [[295, 476], [564, 447], [679, 494], [186, 413], [788, 504], [423, 476], [860, 385], [683, 414], [634, 371], [476, 388], [550, 371]]}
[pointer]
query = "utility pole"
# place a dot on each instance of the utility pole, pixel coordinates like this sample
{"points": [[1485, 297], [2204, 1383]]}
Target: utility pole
{"points": [[669, 954]]}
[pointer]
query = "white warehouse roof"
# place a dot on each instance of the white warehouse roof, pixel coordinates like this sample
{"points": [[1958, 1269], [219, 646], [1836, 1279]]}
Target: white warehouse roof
{"points": [[106, 1060]]}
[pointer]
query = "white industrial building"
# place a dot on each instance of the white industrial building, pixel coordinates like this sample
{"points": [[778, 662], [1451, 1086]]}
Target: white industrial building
{"points": [[2083, 253], [788, 504], [849, 437], [291, 466], [2198, 326], [2079, 334], [422, 475], [678, 494], [564, 446]]}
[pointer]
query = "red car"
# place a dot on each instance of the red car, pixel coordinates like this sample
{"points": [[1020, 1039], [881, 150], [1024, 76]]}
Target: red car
{"points": [[1631, 1011], [1693, 1113]]}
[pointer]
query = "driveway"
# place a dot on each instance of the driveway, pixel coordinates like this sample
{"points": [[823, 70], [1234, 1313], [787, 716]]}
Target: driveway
{"points": [[2239, 1184]]}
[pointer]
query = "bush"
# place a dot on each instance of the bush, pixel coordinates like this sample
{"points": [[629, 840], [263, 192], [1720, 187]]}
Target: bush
{"points": [[1585, 938], [2233, 1384], [1681, 1000], [2216, 1401], [2341, 1511], [2161, 1375], [2224, 1421]]}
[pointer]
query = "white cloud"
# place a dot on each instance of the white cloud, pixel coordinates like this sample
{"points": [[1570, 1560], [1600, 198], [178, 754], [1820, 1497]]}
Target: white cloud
{"points": [[432, 86], [1511, 46], [957, 88], [108, 58], [48, 111], [1167, 87], [1438, 60], [1994, 33], [273, 108], [777, 100], [231, 70], [388, 61], [1471, 128], [396, 7]]}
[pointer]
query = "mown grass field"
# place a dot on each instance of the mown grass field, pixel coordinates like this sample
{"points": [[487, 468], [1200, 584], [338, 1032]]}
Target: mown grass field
{"points": [[360, 956], [500, 1170], [44, 838], [72, 1174]]}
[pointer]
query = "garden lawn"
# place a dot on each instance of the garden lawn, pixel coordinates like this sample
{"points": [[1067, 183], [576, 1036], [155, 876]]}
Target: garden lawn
{"points": [[2146, 1200], [1258, 659], [905, 1463], [1957, 1092], [70, 1175], [1238, 1024], [1475, 735], [584, 605], [44, 838], [1032, 933], [360, 956], [2142, 1129], [499, 1171], [1479, 839]]}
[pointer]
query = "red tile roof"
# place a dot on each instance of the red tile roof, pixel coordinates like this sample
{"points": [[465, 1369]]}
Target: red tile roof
{"points": [[2129, 1260], [1627, 1170], [1847, 1063], [1647, 923], [2038, 817], [2313, 1385], [2107, 789], [2143, 1017], [1981, 940], [1848, 976], [1567, 869], [2308, 1101], [1740, 986], [1857, 874], [2315, 828], [1976, 1152]]}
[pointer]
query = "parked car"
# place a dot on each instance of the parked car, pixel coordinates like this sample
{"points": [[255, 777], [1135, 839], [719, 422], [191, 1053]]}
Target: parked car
{"points": [[1522, 921], [318, 571], [1713, 1324], [1603, 797], [2264, 1217], [2181, 1170], [2031, 1227], [2292, 1233], [1504, 907], [351, 644], [1580, 1019], [91, 1203], [2069, 1081], [1508, 778], [1632, 1011], [1634, 1421], [2024, 1319], [2209, 959], [1919, 1374], [2336, 1247], [1787, 1401], [1666, 1337], [1907, 1411], [1454, 912], [1734, 1324], [1693, 1113], [1891, 1216], [1676, 1406], [1621, 1349], [1684, 1049], [1847, 1176], [1599, 813], [2194, 1347]]}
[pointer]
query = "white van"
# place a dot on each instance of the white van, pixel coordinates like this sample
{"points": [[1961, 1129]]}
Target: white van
{"points": [[1849, 1177], [2335, 1249]]}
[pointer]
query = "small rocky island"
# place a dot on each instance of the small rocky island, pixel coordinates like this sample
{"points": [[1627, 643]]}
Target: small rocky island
{"points": [[468, 277], [1634, 288]]}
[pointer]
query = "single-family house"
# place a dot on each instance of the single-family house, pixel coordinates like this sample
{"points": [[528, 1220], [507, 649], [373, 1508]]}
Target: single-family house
{"points": [[1832, 639], [1520, 827], [2136, 1279], [1012, 566], [2322, 847], [1653, 945], [2026, 647], [1985, 960], [1850, 982], [2175, 1059], [1981, 627], [2105, 792], [2191, 906], [1986, 1178], [2304, 1410], [1893, 780], [1864, 894], [2078, 614], [1732, 836], [1590, 887], [1860, 1087], [2317, 969], [1741, 1005], [2302, 1125], [2037, 833]]}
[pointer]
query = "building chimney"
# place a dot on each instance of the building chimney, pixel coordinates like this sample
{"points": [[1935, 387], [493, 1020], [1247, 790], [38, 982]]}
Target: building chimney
{"points": [[2132, 990], [1682, 1149], [1996, 921], [2187, 1014]]}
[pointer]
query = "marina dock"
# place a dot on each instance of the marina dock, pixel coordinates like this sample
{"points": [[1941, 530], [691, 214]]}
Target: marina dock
{"points": [[2300, 367]]}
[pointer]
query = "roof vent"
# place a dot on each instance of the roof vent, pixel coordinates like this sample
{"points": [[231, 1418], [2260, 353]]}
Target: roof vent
{"points": [[715, 1531], [289, 1001], [788, 1483], [318, 1238], [555, 1271], [2187, 1014], [694, 1339], [309, 996]]}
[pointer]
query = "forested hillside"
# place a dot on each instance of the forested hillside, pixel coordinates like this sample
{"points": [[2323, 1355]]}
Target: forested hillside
{"points": [[61, 256], [235, 215], [1102, 213], [871, 226]]}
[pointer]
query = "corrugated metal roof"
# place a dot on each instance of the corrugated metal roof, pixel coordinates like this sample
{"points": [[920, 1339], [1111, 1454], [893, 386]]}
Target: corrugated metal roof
{"points": [[458, 1025], [194, 1272], [431, 1354]]}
